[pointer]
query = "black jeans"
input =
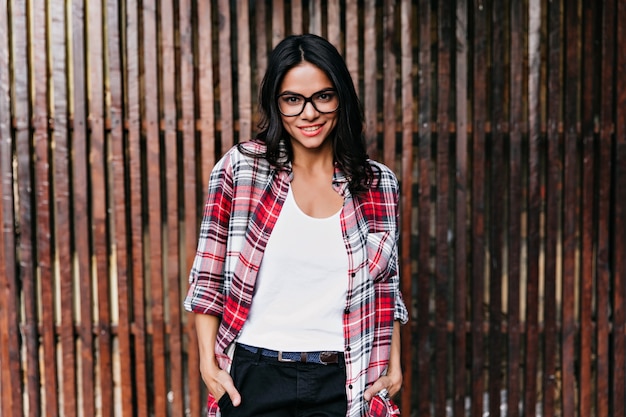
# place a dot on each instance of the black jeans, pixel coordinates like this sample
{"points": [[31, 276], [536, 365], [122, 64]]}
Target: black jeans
{"points": [[270, 388]]}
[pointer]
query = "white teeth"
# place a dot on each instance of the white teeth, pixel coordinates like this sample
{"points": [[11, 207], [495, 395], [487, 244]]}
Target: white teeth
{"points": [[311, 129]]}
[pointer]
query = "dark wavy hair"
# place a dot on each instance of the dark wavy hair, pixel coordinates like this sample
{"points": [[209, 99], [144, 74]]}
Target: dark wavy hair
{"points": [[347, 137]]}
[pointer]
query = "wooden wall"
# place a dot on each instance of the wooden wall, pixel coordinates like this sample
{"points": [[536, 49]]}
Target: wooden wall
{"points": [[504, 121]]}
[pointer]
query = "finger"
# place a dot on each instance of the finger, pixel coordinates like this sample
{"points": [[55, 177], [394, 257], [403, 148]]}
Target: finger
{"points": [[228, 385], [373, 390]]}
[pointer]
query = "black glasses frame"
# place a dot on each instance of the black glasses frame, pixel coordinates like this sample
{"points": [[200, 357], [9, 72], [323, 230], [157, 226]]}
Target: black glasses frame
{"points": [[308, 99]]}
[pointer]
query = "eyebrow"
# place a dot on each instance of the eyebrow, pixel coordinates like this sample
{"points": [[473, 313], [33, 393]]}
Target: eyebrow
{"points": [[300, 94]]}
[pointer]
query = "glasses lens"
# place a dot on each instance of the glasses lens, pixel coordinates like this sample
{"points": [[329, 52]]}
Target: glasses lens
{"points": [[292, 104]]}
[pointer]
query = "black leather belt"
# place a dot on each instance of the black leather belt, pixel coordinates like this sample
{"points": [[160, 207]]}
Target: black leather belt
{"points": [[323, 357]]}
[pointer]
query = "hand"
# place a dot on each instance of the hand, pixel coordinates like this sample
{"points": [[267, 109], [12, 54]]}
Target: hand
{"points": [[392, 382], [219, 383]]}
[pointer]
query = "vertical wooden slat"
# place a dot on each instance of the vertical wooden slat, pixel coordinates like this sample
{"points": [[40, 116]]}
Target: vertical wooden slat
{"points": [[389, 85], [135, 202], [369, 80], [553, 185], [585, 317], [30, 333], [43, 191], [278, 20], [154, 244], [296, 17], [244, 87], [619, 286], [496, 197], [461, 183], [171, 252], [177, 282], [86, 379], [424, 200], [571, 207], [260, 17], [479, 109], [603, 263], [352, 41], [333, 16], [442, 169], [99, 229], [315, 16], [406, 75], [10, 371], [62, 204], [123, 401], [513, 369], [225, 85]]}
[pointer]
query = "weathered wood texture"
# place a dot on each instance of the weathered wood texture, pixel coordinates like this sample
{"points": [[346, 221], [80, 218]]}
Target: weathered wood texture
{"points": [[504, 121]]}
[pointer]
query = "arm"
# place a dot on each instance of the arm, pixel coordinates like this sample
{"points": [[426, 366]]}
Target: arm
{"points": [[216, 379], [392, 381]]}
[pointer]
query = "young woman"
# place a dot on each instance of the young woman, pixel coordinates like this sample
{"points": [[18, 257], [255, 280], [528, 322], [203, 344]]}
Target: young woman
{"points": [[295, 282]]}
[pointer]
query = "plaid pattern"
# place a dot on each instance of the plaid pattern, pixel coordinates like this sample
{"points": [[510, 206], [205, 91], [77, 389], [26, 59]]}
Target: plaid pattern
{"points": [[245, 197]]}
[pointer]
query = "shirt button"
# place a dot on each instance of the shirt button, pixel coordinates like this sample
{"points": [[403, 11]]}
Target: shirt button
{"points": [[353, 275], [350, 386], [346, 311], [348, 349]]}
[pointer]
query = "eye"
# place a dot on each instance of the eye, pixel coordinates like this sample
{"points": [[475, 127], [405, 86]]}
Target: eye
{"points": [[291, 100], [324, 96]]}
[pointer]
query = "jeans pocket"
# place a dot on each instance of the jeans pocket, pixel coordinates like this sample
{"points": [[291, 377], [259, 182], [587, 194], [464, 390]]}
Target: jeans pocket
{"points": [[225, 404]]}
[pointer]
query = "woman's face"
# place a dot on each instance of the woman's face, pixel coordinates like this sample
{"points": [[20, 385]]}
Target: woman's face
{"points": [[306, 84]]}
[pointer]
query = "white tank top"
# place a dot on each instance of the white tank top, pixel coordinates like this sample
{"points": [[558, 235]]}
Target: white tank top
{"points": [[301, 287]]}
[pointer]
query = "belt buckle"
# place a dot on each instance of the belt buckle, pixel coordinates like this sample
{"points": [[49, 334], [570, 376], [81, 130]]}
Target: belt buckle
{"points": [[328, 357], [281, 359]]}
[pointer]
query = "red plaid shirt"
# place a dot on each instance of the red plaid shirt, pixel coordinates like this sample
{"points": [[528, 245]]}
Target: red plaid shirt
{"points": [[245, 197]]}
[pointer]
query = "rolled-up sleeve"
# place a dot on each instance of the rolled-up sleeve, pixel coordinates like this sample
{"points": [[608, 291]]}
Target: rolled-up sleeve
{"points": [[206, 279]]}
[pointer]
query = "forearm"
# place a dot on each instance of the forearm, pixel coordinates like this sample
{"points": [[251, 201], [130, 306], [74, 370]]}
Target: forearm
{"points": [[206, 329]]}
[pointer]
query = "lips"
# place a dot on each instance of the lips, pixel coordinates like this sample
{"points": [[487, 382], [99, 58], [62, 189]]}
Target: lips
{"points": [[312, 130]]}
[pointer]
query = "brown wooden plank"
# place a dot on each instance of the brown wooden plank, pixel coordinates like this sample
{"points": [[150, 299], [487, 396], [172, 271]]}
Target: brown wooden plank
{"points": [[479, 108], [44, 232], [619, 286], [80, 214], [296, 17], [424, 273], [62, 204], [135, 202], [497, 195], [407, 167], [445, 16], [315, 17], [10, 373], [352, 41], [516, 119], [244, 82], [99, 221], [178, 286], [278, 21], [260, 18], [225, 84], [571, 208], [169, 135], [30, 331], [119, 208], [603, 263], [154, 244], [333, 16], [389, 85], [585, 318], [461, 197], [553, 185], [369, 79]]}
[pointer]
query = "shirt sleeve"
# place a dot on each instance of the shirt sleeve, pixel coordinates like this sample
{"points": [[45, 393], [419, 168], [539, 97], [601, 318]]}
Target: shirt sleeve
{"points": [[206, 279]]}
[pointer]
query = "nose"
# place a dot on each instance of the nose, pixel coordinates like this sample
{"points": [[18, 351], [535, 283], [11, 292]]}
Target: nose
{"points": [[309, 110]]}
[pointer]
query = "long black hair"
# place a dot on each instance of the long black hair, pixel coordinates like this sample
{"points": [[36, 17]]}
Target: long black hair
{"points": [[347, 137]]}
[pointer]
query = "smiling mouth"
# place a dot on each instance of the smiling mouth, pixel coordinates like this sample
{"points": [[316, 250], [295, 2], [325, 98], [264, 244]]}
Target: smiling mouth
{"points": [[311, 129]]}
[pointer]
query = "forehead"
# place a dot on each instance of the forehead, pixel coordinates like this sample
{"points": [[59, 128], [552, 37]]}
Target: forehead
{"points": [[306, 79]]}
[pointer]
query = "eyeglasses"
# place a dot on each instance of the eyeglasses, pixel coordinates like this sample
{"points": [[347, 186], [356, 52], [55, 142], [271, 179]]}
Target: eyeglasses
{"points": [[293, 104]]}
